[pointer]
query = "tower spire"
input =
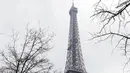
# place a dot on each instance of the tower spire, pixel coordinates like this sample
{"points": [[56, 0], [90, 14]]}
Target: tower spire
{"points": [[72, 2]]}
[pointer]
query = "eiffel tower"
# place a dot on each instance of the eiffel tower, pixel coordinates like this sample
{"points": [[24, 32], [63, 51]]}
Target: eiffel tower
{"points": [[74, 62]]}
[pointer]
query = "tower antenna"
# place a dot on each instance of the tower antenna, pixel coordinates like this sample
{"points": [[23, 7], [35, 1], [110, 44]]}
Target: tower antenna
{"points": [[73, 2]]}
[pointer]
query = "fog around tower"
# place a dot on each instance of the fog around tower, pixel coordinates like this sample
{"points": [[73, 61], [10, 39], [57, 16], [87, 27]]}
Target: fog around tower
{"points": [[54, 15]]}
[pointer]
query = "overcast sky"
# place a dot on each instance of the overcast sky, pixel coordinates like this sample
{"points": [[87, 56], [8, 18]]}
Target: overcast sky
{"points": [[54, 15]]}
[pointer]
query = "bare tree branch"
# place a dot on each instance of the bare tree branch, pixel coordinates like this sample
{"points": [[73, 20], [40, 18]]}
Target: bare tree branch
{"points": [[110, 19], [29, 59]]}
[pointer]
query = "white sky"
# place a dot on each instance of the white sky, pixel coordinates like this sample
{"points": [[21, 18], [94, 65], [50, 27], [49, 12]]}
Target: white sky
{"points": [[54, 15]]}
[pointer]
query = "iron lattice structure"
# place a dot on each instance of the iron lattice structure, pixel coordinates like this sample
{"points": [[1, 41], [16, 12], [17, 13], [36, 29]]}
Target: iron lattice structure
{"points": [[74, 62]]}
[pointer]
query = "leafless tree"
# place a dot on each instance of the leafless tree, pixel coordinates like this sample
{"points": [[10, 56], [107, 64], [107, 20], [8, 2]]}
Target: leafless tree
{"points": [[27, 57], [114, 20]]}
